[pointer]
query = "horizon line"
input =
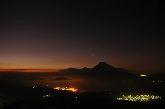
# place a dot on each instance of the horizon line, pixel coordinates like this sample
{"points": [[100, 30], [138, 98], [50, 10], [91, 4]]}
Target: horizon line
{"points": [[37, 70]]}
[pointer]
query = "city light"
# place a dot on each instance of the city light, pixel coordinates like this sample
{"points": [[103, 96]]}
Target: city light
{"points": [[143, 75], [140, 98], [66, 89]]}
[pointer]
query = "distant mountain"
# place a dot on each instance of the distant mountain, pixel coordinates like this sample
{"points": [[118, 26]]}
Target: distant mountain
{"points": [[102, 66], [102, 69], [102, 77]]}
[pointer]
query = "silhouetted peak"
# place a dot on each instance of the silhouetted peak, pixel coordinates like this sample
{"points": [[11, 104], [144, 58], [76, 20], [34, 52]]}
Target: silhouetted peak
{"points": [[86, 68], [70, 68], [103, 66]]}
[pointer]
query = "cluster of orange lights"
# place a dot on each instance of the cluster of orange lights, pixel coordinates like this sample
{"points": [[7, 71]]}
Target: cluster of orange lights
{"points": [[66, 89]]}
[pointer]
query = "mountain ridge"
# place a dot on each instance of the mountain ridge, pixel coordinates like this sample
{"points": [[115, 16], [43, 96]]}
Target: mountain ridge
{"points": [[102, 69]]}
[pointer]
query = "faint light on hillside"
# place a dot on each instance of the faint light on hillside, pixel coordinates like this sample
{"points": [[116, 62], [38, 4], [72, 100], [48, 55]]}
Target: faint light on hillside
{"points": [[34, 86], [46, 96]]}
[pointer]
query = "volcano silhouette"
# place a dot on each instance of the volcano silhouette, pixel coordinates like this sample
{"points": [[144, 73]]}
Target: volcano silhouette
{"points": [[102, 69]]}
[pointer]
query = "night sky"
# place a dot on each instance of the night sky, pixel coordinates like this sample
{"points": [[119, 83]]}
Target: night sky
{"points": [[57, 35]]}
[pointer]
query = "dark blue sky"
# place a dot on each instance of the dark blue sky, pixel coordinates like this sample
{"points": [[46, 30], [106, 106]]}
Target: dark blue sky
{"points": [[127, 34]]}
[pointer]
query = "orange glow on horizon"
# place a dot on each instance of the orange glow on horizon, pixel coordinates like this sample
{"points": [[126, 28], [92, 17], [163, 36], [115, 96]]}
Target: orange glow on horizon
{"points": [[29, 70]]}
